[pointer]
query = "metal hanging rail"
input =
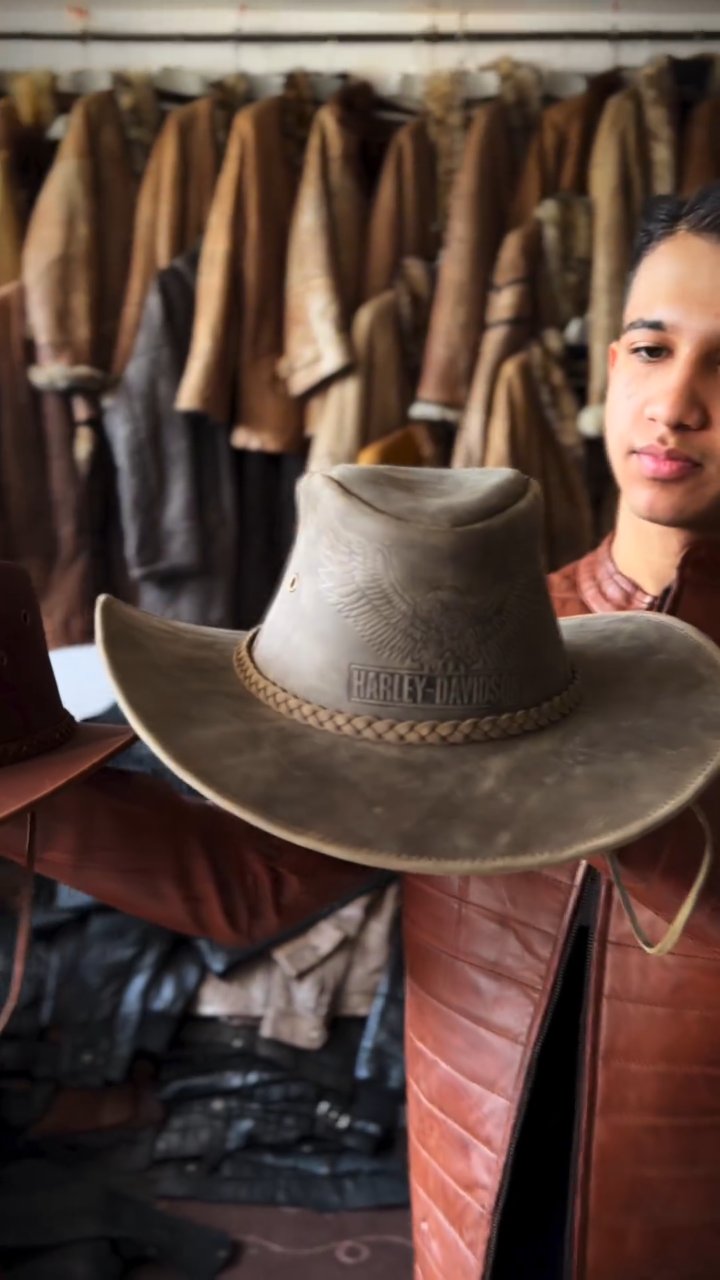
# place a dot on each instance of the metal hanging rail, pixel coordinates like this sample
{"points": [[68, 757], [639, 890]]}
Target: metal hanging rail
{"points": [[362, 37]]}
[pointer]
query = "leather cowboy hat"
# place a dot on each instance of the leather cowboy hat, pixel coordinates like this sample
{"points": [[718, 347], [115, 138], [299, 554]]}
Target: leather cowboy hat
{"points": [[42, 748], [410, 700]]}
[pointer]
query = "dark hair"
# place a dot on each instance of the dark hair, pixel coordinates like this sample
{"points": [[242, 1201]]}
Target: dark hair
{"points": [[666, 216]]}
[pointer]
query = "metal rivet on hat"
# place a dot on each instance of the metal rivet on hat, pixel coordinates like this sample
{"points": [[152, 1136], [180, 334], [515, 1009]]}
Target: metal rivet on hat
{"points": [[292, 584]]}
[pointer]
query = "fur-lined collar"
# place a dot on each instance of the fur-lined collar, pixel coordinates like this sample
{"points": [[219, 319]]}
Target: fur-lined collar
{"points": [[657, 88], [566, 228]]}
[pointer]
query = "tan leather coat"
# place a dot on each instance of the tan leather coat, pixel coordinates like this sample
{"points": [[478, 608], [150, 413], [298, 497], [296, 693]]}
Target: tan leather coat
{"points": [[326, 254], [404, 218], [644, 147], [173, 205], [559, 154], [231, 374], [44, 499]]}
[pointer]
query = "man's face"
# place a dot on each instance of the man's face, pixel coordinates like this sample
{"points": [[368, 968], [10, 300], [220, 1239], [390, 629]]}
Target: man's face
{"points": [[662, 422]]}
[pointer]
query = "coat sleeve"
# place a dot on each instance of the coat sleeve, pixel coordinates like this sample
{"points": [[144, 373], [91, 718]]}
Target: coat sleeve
{"points": [[134, 843], [321, 296], [60, 267]]}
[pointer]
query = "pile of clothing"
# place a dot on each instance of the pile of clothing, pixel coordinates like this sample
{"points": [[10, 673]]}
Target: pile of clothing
{"points": [[141, 1065]]}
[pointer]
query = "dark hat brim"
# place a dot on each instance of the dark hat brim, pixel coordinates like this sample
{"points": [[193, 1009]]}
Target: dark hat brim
{"points": [[644, 743], [24, 785]]}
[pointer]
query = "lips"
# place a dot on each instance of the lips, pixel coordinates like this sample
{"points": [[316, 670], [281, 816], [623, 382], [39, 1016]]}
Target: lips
{"points": [[665, 464]]}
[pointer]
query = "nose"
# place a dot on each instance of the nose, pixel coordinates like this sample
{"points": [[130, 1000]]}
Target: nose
{"points": [[677, 402]]}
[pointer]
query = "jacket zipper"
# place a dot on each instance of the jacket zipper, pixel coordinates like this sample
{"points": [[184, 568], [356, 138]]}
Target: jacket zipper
{"points": [[586, 905]]}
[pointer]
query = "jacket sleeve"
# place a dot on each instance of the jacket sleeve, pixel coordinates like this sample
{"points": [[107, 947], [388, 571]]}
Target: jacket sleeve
{"points": [[320, 297], [61, 269], [134, 843], [152, 448]]}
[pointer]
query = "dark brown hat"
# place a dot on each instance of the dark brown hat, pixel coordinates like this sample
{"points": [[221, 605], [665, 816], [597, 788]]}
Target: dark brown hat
{"points": [[42, 748]]}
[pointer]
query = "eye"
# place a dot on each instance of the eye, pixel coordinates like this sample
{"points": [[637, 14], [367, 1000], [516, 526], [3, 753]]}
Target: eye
{"points": [[649, 352]]}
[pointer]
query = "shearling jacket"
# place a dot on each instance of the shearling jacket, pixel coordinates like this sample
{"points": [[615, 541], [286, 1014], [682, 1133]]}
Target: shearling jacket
{"points": [[173, 204], [24, 158], [231, 375], [479, 216], [44, 500], [532, 428], [328, 237], [648, 143], [404, 218], [372, 399], [540, 282], [77, 250], [488, 960], [559, 154], [11, 222]]}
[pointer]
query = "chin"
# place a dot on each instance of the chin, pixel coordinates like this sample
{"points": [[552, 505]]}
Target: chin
{"points": [[673, 509]]}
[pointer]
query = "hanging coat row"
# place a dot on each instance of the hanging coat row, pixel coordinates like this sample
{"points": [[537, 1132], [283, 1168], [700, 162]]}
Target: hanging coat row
{"points": [[344, 287]]}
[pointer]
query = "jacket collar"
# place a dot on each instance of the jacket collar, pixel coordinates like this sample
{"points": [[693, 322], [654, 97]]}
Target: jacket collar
{"points": [[604, 589], [656, 86]]}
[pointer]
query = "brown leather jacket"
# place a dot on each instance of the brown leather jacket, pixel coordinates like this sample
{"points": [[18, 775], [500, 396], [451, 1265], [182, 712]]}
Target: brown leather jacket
{"points": [[77, 249], [484, 960], [231, 375]]}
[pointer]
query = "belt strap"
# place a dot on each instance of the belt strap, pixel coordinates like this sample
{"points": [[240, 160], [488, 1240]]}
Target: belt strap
{"points": [[675, 930], [24, 926]]}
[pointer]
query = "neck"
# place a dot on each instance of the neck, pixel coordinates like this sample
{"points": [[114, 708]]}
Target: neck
{"points": [[648, 554]]}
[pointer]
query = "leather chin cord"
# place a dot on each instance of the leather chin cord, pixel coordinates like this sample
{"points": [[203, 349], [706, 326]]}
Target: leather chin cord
{"points": [[675, 930], [24, 924]]}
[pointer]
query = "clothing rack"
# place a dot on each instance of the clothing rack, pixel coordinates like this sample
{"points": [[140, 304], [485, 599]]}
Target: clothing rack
{"points": [[468, 36]]}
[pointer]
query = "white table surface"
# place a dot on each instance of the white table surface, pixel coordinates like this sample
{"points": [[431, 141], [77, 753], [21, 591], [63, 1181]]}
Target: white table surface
{"points": [[85, 687]]}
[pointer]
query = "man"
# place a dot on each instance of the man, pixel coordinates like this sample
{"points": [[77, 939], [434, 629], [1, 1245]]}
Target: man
{"points": [[563, 1087]]}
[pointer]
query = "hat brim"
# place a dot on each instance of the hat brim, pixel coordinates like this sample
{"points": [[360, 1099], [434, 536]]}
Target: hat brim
{"points": [[643, 743], [24, 785]]}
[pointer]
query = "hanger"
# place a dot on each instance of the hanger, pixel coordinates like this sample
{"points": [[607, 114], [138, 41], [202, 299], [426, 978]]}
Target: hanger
{"points": [[78, 84], [564, 84], [181, 83]]}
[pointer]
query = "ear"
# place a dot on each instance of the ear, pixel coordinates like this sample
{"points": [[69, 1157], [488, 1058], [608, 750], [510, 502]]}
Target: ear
{"points": [[613, 353]]}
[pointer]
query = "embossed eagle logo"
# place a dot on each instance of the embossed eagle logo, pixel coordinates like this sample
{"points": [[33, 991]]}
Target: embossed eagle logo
{"points": [[438, 629]]}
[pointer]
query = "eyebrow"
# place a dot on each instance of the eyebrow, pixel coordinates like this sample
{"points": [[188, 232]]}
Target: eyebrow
{"points": [[657, 326]]}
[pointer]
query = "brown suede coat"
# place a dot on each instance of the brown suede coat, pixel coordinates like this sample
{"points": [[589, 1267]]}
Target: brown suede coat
{"points": [[404, 219], [559, 154], [231, 375], [173, 205], [77, 250], [644, 147], [44, 518]]}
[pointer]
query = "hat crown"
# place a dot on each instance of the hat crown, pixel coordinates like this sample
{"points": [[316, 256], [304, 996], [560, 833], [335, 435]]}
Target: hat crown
{"points": [[415, 594], [32, 717]]}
